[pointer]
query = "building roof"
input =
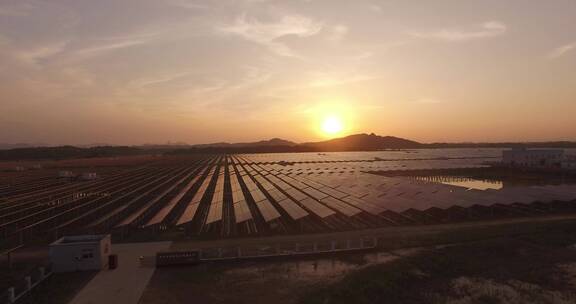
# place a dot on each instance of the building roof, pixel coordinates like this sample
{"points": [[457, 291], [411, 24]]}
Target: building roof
{"points": [[78, 239]]}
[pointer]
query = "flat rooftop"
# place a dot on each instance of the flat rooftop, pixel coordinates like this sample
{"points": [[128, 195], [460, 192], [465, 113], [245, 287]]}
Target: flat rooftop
{"points": [[74, 239]]}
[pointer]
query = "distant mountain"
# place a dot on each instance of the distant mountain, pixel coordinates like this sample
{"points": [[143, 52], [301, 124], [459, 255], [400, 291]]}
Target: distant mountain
{"points": [[66, 152], [5, 146], [168, 146], [357, 142], [276, 142], [93, 145], [363, 142]]}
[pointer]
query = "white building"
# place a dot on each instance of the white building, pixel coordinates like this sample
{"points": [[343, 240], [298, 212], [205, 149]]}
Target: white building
{"points": [[89, 176], [79, 253], [65, 174], [569, 164], [533, 158]]}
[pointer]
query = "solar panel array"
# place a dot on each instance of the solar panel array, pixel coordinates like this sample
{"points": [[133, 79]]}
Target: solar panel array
{"points": [[233, 195]]}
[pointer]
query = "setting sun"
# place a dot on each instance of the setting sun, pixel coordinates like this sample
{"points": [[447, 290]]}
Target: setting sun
{"points": [[332, 125]]}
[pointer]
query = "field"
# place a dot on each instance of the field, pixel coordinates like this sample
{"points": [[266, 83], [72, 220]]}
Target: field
{"points": [[245, 202], [224, 196], [511, 261]]}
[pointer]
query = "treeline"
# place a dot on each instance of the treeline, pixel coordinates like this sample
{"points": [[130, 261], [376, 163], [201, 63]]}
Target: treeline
{"points": [[552, 144], [67, 152], [250, 149]]}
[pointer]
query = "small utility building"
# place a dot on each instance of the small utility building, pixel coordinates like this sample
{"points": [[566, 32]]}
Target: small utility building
{"points": [[81, 252]]}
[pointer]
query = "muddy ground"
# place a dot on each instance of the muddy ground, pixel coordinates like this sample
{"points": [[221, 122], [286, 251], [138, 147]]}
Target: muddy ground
{"points": [[526, 266]]}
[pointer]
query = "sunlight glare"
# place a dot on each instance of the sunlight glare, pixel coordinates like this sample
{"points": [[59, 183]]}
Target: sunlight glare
{"points": [[332, 125]]}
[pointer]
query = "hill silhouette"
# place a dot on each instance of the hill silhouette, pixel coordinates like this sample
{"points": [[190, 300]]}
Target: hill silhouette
{"points": [[262, 143], [363, 142], [67, 152], [357, 142]]}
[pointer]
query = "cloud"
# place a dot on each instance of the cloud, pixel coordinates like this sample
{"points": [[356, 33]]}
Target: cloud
{"points": [[109, 46], [327, 81], [376, 8], [193, 5], [161, 79], [104, 46], [338, 33], [267, 34], [428, 101], [487, 30], [35, 55], [562, 50], [254, 76], [16, 9]]}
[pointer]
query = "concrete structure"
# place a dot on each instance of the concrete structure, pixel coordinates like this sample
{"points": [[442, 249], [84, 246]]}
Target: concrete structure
{"points": [[79, 253], [533, 158], [65, 174], [569, 164], [126, 283], [89, 176]]}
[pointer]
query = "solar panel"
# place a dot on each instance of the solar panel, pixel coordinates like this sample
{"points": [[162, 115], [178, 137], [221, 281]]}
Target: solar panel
{"points": [[315, 193], [242, 212], [269, 213], [317, 208], [277, 195], [190, 211], [162, 213], [340, 206]]}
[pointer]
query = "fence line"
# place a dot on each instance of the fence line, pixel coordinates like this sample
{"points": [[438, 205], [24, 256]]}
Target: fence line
{"points": [[23, 287]]}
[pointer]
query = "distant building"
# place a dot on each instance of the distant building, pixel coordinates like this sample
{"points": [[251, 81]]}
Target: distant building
{"points": [[569, 164], [65, 174], [533, 158], [89, 176], [80, 253]]}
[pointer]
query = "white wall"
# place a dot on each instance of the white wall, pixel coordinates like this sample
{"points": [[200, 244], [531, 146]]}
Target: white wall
{"points": [[68, 257]]}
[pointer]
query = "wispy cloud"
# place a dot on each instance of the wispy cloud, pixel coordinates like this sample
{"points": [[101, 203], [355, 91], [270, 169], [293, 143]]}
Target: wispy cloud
{"points": [[194, 5], [161, 79], [267, 34], [16, 9], [109, 46], [35, 55], [328, 81], [428, 101], [254, 76], [102, 47], [562, 50], [376, 8], [487, 30], [338, 33]]}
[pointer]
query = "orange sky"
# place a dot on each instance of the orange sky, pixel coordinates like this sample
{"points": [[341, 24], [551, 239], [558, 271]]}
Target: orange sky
{"points": [[81, 72]]}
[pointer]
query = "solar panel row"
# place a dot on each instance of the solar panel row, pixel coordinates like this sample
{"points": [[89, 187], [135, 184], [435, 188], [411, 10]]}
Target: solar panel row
{"points": [[191, 208], [259, 190], [215, 209]]}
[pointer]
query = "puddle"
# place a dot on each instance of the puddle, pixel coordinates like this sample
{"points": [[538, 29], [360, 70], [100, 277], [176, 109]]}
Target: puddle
{"points": [[477, 184], [312, 269], [464, 182], [495, 182]]}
